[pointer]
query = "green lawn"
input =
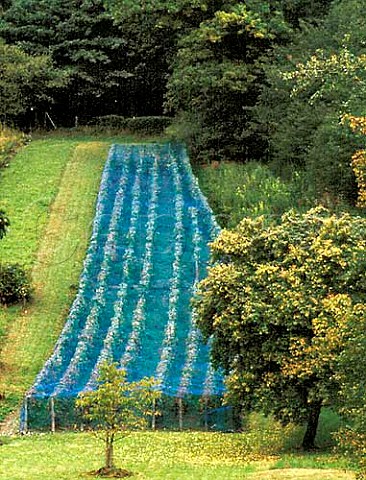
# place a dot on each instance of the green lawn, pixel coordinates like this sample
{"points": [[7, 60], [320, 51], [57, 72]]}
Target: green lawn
{"points": [[161, 455]]}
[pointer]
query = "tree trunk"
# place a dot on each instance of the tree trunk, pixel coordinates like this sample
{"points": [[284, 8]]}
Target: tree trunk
{"points": [[308, 442], [109, 463]]}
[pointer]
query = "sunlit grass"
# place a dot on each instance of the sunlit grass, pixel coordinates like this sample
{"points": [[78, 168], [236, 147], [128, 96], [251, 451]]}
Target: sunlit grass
{"points": [[156, 455]]}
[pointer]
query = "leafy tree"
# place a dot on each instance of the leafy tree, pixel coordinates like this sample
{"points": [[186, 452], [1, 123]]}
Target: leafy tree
{"points": [[217, 73], [346, 333], [152, 30], [117, 407], [26, 81], [269, 299], [215, 77], [311, 83], [81, 38]]}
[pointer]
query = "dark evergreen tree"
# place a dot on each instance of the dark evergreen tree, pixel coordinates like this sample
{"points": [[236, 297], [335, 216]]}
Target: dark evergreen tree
{"points": [[81, 38]]}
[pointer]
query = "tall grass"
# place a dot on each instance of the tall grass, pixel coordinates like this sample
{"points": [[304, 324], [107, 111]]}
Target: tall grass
{"points": [[238, 190], [10, 141]]}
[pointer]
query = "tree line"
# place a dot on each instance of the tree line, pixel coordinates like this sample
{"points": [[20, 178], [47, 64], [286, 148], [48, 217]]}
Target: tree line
{"points": [[255, 79]]}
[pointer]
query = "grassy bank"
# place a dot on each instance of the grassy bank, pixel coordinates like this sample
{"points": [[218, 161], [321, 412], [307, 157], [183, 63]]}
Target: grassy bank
{"points": [[236, 190], [163, 455], [49, 193]]}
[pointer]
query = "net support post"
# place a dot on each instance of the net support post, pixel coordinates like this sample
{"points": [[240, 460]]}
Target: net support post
{"points": [[24, 417], [206, 412], [180, 413], [53, 416]]}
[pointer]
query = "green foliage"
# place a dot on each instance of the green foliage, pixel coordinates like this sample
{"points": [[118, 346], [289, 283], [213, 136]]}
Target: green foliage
{"points": [[273, 304], [236, 190], [218, 72], [215, 76], [10, 141], [296, 11], [144, 125], [15, 285], [118, 406], [352, 404], [82, 42], [262, 193], [26, 81], [311, 83]]}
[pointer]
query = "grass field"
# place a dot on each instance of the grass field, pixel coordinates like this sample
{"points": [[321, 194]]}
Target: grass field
{"points": [[163, 455]]}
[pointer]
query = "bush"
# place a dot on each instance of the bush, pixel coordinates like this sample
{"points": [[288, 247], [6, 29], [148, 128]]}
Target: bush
{"points": [[10, 141], [15, 284], [144, 125]]}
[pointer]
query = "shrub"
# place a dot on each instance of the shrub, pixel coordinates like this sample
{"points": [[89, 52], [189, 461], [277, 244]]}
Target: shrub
{"points": [[144, 125], [15, 284], [10, 141]]}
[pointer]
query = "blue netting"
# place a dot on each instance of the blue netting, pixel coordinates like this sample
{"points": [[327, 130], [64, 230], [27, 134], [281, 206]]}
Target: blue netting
{"points": [[147, 252]]}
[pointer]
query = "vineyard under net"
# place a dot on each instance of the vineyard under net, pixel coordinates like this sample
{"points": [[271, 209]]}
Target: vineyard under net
{"points": [[147, 252]]}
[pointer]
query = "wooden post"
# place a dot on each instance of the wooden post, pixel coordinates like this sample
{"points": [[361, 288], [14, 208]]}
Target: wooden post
{"points": [[53, 418], [180, 412], [206, 412], [25, 426]]}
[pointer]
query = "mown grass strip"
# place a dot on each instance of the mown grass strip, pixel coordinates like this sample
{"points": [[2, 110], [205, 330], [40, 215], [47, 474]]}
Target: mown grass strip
{"points": [[156, 456], [27, 189], [34, 329]]}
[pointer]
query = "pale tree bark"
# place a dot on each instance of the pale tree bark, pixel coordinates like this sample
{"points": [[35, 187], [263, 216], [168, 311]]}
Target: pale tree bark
{"points": [[109, 460]]}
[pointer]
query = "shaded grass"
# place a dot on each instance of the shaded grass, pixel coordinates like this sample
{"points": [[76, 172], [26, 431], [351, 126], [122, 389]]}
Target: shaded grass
{"points": [[153, 455], [49, 192]]}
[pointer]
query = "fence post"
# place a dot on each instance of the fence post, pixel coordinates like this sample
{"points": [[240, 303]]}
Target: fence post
{"points": [[25, 424], [53, 417], [180, 412]]}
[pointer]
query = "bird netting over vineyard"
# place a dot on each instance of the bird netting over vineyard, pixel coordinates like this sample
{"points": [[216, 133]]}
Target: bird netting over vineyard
{"points": [[148, 250]]}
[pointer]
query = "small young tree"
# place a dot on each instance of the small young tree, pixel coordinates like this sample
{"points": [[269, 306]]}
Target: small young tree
{"points": [[116, 408]]}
